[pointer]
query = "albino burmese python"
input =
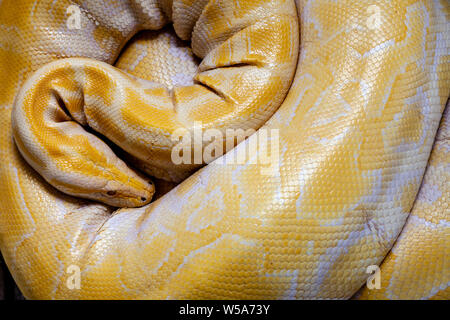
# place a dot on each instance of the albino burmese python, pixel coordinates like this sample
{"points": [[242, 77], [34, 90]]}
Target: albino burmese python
{"points": [[356, 91]]}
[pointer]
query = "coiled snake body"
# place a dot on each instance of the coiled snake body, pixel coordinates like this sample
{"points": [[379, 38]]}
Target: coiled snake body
{"points": [[355, 90]]}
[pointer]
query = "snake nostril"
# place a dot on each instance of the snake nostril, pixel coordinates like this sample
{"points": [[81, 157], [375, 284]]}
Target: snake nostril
{"points": [[143, 199], [111, 193]]}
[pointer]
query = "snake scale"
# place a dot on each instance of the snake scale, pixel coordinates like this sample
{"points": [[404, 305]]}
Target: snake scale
{"points": [[356, 91]]}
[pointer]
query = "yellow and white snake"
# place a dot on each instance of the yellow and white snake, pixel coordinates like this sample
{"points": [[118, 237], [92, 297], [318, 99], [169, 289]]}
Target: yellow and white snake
{"points": [[356, 91]]}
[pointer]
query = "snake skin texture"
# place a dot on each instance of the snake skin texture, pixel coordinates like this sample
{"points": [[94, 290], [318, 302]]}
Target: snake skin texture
{"points": [[353, 186], [418, 267]]}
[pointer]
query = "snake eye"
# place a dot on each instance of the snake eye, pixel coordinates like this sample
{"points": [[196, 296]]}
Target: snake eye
{"points": [[143, 199], [111, 193]]}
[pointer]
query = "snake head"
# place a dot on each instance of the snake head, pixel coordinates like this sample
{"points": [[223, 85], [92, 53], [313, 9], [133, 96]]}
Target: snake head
{"points": [[135, 193], [120, 186]]}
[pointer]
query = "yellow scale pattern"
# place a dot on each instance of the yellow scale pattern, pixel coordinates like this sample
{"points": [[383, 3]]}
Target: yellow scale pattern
{"points": [[356, 129]]}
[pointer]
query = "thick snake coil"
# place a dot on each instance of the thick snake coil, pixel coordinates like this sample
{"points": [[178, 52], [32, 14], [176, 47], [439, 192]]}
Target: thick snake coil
{"points": [[355, 90]]}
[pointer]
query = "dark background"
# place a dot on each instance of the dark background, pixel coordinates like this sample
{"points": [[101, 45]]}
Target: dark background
{"points": [[8, 289]]}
